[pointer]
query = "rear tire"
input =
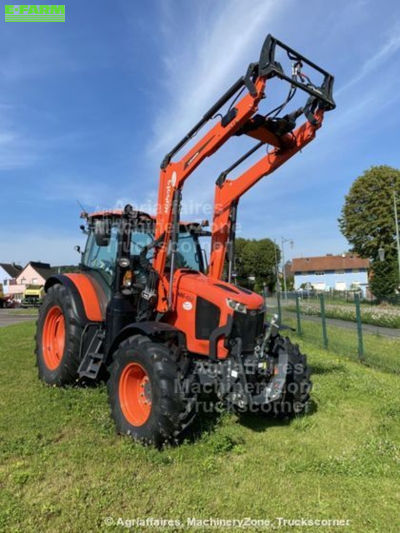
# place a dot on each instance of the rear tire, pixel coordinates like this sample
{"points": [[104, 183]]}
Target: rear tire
{"points": [[144, 392], [58, 338]]}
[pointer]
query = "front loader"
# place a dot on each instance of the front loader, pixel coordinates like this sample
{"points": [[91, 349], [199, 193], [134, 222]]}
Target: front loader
{"points": [[149, 316]]}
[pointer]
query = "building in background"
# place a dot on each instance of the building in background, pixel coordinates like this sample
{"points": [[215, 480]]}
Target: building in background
{"points": [[34, 273], [8, 275], [331, 272]]}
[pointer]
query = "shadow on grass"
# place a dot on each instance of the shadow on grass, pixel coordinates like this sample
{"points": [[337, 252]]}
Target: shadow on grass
{"points": [[262, 421], [327, 368], [207, 419]]}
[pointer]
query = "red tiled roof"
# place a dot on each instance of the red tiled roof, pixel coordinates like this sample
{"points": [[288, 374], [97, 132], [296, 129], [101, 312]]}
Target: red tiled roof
{"points": [[328, 262]]}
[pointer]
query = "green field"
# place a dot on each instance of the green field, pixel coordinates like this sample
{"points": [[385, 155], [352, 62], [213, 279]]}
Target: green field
{"points": [[62, 466]]}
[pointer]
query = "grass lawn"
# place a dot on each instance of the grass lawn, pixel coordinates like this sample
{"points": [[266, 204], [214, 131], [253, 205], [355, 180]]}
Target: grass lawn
{"points": [[62, 466], [24, 311]]}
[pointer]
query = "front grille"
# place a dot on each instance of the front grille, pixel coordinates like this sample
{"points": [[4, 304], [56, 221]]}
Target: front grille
{"points": [[207, 318], [248, 326]]}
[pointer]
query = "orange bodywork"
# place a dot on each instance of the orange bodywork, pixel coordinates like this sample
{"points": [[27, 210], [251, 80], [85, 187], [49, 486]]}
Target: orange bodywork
{"points": [[89, 295]]}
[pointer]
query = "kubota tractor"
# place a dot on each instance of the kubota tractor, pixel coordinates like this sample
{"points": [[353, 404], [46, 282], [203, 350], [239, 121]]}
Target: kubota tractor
{"points": [[148, 315]]}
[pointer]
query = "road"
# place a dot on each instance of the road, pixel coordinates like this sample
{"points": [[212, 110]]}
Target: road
{"points": [[8, 316]]}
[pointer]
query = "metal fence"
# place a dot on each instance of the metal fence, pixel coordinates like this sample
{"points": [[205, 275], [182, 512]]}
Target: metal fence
{"points": [[355, 337], [334, 296]]}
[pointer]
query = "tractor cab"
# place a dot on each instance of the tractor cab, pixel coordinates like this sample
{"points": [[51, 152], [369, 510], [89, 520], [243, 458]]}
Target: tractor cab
{"points": [[118, 259], [114, 233]]}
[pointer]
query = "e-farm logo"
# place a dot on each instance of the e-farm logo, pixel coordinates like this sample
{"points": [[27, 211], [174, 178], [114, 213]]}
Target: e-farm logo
{"points": [[34, 13]]}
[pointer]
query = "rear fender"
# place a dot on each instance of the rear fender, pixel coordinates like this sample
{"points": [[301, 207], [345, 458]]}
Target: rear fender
{"points": [[88, 299]]}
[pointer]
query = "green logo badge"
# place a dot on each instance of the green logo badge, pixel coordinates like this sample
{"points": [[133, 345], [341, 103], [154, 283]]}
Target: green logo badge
{"points": [[34, 13]]}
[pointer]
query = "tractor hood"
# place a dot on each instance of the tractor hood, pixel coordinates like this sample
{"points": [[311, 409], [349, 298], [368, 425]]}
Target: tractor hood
{"points": [[188, 282], [207, 310]]}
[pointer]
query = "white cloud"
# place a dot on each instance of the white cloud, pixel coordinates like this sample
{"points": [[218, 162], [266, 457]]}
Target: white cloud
{"points": [[377, 60], [203, 57]]}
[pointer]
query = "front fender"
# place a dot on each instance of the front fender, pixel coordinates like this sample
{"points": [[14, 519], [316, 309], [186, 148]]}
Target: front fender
{"points": [[150, 329]]}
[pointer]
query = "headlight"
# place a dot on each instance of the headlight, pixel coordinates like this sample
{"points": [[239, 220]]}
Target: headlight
{"points": [[127, 280], [236, 306], [124, 262]]}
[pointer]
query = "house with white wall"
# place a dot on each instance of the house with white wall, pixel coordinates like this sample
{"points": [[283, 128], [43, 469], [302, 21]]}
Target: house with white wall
{"points": [[34, 273], [331, 272], [8, 275]]}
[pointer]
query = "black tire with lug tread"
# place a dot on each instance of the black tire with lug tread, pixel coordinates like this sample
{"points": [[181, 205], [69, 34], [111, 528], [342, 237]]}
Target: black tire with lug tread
{"points": [[66, 373], [172, 409], [297, 388]]}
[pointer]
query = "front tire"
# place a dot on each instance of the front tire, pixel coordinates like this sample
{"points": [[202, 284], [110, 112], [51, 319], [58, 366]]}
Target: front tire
{"points": [[58, 338], [297, 387], [145, 394]]}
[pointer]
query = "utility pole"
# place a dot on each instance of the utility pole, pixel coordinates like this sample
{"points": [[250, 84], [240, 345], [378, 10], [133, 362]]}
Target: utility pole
{"points": [[283, 240], [396, 220], [278, 285]]}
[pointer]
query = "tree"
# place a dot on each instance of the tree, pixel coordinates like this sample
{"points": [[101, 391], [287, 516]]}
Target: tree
{"points": [[384, 279], [256, 258], [367, 221]]}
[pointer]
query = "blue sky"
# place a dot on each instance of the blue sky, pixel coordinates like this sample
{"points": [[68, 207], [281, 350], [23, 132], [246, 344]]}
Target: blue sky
{"points": [[89, 108]]}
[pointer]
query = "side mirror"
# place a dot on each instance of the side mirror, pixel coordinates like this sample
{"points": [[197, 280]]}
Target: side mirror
{"points": [[77, 248], [102, 232]]}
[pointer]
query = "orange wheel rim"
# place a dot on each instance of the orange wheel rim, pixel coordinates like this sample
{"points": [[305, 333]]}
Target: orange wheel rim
{"points": [[135, 394], [53, 337]]}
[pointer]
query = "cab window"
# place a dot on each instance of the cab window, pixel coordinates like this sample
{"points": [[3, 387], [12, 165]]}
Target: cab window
{"points": [[188, 252], [139, 240], [102, 258]]}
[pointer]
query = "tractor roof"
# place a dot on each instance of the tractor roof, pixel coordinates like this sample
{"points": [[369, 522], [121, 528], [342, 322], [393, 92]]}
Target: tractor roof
{"points": [[115, 213]]}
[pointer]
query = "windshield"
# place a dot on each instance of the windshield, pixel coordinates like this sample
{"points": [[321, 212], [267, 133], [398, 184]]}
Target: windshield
{"points": [[140, 239], [188, 252], [187, 255]]}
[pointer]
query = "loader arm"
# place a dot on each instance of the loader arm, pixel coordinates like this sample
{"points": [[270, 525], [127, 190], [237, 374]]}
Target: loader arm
{"points": [[228, 192], [174, 174], [239, 118]]}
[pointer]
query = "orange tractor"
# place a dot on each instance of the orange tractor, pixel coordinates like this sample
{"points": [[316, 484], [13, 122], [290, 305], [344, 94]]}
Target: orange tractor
{"points": [[148, 315]]}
